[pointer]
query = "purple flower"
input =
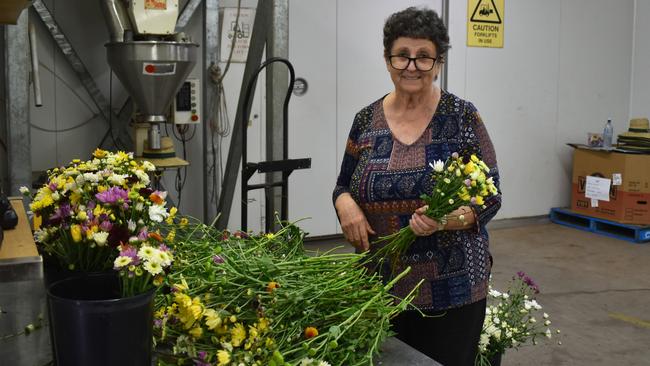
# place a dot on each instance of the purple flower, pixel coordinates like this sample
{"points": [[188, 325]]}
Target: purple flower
{"points": [[143, 234], [60, 214], [106, 225], [157, 323], [52, 186], [112, 195], [201, 361], [217, 259], [163, 248], [91, 205], [528, 281], [468, 182], [129, 251]]}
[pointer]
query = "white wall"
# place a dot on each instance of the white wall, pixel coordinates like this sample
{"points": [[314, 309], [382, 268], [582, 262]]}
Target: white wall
{"points": [[337, 47], [564, 69], [640, 83]]}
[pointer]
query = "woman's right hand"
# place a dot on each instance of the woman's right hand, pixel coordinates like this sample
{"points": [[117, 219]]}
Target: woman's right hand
{"points": [[353, 222]]}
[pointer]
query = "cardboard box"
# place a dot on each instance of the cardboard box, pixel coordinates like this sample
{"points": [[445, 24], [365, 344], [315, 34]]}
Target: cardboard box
{"points": [[629, 202]]}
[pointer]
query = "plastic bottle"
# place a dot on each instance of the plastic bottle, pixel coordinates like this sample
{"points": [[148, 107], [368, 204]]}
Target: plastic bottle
{"points": [[608, 132]]}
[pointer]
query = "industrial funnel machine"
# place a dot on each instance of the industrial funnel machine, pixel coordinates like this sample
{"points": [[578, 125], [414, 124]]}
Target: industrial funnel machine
{"points": [[151, 61]]}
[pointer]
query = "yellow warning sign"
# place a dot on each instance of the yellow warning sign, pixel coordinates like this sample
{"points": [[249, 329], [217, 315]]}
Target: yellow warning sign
{"points": [[485, 23]]}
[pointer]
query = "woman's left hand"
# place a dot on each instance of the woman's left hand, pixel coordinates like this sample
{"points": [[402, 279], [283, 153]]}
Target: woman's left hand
{"points": [[421, 224]]}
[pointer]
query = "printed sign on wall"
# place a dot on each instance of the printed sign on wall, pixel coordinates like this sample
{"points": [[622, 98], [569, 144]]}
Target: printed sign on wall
{"points": [[241, 32], [485, 23]]}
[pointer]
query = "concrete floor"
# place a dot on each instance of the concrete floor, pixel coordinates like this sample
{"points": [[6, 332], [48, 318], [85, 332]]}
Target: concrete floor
{"points": [[595, 289]]}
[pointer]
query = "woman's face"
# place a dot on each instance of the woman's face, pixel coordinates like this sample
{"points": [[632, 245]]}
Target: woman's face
{"points": [[412, 80]]}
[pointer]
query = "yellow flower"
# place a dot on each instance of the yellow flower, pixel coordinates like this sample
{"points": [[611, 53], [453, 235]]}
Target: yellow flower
{"points": [[101, 188], [170, 236], [252, 332], [99, 210], [99, 153], [311, 332], [75, 232], [182, 300], [181, 286], [269, 342], [272, 286], [237, 334], [263, 325], [223, 357], [196, 332], [474, 158], [184, 222], [212, 319], [469, 168], [160, 313], [270, 236], [479, 200]]}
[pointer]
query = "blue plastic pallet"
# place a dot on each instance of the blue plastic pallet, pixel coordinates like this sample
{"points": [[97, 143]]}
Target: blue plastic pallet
{"points": [[633, 233]]}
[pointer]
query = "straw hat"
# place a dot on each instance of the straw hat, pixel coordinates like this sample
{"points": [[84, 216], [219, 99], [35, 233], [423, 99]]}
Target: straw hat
{"points": [[639, 129]]}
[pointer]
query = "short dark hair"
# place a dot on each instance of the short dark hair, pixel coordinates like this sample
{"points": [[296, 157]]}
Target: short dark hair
{"points": [[421, 23]]}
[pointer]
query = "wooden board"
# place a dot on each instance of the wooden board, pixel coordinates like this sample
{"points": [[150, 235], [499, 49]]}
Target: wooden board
{"points": [[18, 242]]}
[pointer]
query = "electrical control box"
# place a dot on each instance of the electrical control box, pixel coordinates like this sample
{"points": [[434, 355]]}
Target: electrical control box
{"points": [[187, 103]]}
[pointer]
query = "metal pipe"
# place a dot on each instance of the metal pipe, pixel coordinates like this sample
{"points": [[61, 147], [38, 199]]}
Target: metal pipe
{"points": [[116, 18], [36, 76], [19, 155], [445, 19]]}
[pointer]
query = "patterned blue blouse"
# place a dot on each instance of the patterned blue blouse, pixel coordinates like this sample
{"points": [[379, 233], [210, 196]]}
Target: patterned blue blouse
{"points": [[386, 178]]}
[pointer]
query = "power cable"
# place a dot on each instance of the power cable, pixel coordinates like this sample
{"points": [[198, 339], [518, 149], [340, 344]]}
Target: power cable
{"points": [[65, 129]]}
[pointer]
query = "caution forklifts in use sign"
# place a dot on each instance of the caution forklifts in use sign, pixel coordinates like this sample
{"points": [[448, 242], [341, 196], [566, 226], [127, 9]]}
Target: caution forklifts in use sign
{"points": [[485, 23]]}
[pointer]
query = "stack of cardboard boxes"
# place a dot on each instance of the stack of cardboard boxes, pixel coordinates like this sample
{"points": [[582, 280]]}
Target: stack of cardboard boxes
{"points": [[629, 194]]}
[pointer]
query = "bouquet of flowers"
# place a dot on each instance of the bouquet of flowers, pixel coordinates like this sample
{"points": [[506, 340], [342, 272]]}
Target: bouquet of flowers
{"points": [[512, 319], [261, 300], [90, 208], [456, 184]]}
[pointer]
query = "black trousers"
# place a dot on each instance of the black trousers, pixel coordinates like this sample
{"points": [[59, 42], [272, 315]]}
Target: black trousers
{"points": [[451, 337]]}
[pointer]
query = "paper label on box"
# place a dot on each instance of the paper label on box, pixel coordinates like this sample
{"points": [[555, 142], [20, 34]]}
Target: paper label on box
{"points": [[617, 179], [594, 202], [597, 188]]}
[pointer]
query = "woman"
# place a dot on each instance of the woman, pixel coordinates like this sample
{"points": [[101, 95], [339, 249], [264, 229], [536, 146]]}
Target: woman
{"points": [[386, 168]]}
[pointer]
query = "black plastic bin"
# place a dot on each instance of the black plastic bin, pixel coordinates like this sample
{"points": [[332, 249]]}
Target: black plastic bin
{"points": [[92, 325]]}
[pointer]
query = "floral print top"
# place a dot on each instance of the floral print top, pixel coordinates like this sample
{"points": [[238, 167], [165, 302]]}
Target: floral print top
{"points": [[386, 178]]}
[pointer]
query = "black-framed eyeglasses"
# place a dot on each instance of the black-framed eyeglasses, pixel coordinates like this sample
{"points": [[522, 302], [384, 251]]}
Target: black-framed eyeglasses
{"points": [[422, 63]]}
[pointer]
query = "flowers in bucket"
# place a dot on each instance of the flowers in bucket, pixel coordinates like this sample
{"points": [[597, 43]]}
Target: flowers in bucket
{"points": [[89, 208], [512, 319], [142, 264], [457, 183]]}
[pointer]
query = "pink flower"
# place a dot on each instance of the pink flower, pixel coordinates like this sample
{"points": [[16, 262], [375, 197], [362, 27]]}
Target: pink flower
{"points": [[112, 195]]}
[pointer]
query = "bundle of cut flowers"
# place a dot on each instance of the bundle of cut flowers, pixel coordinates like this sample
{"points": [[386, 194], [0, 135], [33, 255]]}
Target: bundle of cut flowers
{"points": [[238, 299], [457, 183], [89, 208], [512, 319]]}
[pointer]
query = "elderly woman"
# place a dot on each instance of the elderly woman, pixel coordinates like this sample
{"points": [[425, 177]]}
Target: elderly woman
{"points": [[386, 168]]}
